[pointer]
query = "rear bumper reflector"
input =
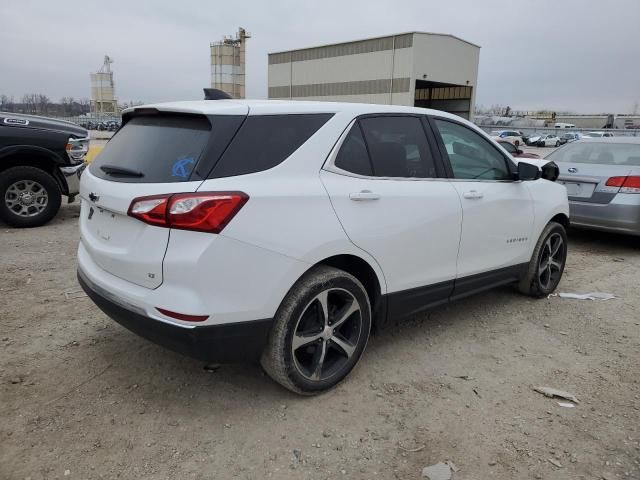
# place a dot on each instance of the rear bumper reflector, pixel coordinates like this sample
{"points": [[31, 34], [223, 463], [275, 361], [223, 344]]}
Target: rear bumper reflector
{"points": [[183, 316]]}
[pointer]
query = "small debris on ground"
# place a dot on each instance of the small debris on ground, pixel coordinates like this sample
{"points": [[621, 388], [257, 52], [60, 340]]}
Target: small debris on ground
{"points": [[554, 392], [585, 296], [211, 367], [566, 404], [554, 462], [439, 471], [75, 293], [411, 450]]}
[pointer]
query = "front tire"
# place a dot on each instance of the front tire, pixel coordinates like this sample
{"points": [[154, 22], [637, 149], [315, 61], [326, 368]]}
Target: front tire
{"points": [[547, 262], [319, 333], [29, 197], [557, 144]]}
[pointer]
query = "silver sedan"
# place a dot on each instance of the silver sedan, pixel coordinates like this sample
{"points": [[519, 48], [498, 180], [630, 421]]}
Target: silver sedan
{"points": [[602, 177]]}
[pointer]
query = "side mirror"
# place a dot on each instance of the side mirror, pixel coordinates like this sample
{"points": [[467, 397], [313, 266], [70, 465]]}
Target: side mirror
{"points": [[526, 171]]}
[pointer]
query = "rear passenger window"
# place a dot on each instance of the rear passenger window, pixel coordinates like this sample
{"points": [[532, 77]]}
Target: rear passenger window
{"points": [[265, 141], [353, 156], [398, 147]]}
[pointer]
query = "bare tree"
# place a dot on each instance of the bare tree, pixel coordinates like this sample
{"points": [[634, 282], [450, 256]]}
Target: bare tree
{"points": [[30, 103], [42, 103], [67, 106], [7, 104]]}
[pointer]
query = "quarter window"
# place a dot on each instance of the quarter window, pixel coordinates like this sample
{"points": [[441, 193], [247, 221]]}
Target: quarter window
{"points": [[471, 156], [353, 156], [265, 141]]}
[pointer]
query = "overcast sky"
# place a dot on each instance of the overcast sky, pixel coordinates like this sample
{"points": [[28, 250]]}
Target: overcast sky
{"points": [[566, 55]]}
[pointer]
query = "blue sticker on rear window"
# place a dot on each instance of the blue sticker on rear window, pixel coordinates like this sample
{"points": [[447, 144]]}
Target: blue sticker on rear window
{"points": [[182, 167]]}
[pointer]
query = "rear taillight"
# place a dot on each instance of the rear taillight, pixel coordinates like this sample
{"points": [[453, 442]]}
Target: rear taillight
{"points": [[626, 184], [615, 181], [202, 212]]}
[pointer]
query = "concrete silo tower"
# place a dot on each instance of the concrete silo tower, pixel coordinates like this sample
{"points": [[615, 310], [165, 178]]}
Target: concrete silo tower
{"points": [[227, 64]]}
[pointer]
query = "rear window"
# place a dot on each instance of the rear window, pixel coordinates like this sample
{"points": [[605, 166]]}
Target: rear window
{"points": [[154, 149], [265, 141], [598, 153]]}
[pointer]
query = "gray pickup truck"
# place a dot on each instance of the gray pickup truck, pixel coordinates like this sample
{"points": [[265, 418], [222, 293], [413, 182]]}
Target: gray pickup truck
{"points": [[41, 159]]}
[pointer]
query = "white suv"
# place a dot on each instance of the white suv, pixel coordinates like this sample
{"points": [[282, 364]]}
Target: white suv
{"points": [[236, 230]]}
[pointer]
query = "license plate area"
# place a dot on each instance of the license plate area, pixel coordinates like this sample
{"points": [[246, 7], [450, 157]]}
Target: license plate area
{"points": [[579, 189], [103, 224]]}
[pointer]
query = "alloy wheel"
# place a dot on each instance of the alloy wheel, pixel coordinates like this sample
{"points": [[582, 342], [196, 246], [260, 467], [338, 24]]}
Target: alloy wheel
{"points": [[551, 262], [327, 334], [26, 198]]}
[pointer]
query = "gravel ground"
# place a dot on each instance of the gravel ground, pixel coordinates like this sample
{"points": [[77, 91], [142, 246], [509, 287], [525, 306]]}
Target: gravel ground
{"points": [[80, 397]]}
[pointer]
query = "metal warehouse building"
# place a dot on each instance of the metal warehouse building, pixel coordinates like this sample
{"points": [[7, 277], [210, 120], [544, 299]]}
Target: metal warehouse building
{"points": [[430, 70]]}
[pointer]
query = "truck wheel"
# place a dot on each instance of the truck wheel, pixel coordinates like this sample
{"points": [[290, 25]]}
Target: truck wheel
{"points": [[319, 331], [29, 197]]}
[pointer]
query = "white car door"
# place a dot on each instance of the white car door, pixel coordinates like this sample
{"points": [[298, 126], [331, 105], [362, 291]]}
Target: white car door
{"points": [[388, 192], [497, 211]]}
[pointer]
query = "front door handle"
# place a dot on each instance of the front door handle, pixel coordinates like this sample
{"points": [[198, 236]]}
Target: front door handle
{"points": [[364, 195], [473, 195]]}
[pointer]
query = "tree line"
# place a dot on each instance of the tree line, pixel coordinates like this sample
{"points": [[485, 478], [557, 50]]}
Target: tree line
{"points": [[40, 104]]}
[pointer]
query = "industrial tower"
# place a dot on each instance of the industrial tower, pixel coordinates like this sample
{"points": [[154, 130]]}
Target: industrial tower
{"points": [[103, 99], [228, 64]]}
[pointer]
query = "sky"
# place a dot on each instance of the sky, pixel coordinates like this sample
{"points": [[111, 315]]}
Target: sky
{"points": [[574, 55]]}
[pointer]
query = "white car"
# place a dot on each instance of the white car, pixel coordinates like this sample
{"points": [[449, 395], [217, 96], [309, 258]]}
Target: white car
{"points": [[237, 230], [512, 136], [548, 141]]}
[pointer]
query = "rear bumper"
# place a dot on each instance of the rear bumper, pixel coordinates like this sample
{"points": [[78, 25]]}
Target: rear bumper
{"points": [[622, 215], [226, 343]]}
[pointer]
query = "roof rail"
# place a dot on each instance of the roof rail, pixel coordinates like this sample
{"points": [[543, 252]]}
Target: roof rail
{"points": [[215, 94]]}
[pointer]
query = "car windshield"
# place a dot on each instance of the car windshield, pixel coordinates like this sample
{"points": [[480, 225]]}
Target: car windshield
{"points": [[598, 153]]}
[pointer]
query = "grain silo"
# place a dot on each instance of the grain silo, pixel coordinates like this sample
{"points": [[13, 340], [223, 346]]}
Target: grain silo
{"points": [[103, 96], [227, 64]]}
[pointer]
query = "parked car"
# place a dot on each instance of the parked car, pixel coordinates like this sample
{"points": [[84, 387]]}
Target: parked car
{"points": [[286, 231], [599, 134], [515, 151], [548, 141], [531, 139], [568, 138], [510, 136], [602, 178], [41, 159]]}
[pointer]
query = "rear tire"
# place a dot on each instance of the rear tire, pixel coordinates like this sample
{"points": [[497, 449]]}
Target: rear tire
{"points": [[310, 351], [547, 262], [29, 197], [557, 144]]}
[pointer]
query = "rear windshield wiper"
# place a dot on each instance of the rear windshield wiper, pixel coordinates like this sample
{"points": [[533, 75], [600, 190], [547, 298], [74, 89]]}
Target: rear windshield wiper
{"points": [[120, 171]]}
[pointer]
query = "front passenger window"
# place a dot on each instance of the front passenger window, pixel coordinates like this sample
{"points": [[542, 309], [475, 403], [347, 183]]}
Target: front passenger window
{"points": [[471, 156]]}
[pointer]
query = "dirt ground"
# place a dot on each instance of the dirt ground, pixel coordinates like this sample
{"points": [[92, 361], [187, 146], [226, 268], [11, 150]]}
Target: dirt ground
{"points": [[81, 397]]}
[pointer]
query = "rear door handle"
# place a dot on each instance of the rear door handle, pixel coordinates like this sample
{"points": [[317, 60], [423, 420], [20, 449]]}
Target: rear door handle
{"points": [[473, 195], [364, 195]]}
